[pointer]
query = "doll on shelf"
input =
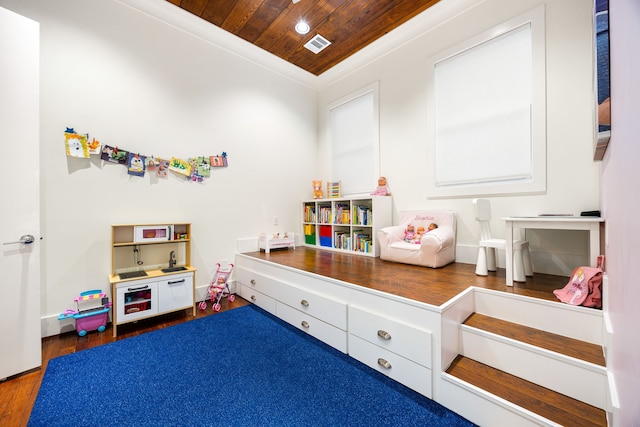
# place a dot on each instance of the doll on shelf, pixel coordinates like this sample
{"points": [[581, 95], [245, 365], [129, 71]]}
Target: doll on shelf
{"points": [[382, 189], [409, 234]]}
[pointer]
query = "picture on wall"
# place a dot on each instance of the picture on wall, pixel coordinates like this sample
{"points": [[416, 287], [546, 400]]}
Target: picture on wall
{"points": [[602, 80]]}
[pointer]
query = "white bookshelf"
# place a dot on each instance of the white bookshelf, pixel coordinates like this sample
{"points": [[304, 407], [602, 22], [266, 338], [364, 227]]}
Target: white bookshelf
{"points": [[346, 224]]}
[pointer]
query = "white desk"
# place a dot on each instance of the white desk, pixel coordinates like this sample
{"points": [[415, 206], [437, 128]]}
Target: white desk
{"points": [[588, 223]]}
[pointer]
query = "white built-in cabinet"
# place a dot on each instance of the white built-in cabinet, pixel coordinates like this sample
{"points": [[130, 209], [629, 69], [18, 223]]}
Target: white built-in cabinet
{"points": [[346, 224], [380, 330]]}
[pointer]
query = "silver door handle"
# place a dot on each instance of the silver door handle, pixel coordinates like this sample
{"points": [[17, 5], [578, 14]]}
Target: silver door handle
{"points": [[25, 240]]}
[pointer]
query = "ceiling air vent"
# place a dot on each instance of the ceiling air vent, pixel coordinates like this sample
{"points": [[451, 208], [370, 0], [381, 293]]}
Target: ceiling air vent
{"points": [[317, 43]]}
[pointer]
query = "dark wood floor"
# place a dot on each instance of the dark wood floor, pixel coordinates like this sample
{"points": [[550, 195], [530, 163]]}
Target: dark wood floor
{"points": [[433, 286]]}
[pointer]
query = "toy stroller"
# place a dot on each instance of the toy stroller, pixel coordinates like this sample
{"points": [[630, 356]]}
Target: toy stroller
{"points": [[219, 288]]}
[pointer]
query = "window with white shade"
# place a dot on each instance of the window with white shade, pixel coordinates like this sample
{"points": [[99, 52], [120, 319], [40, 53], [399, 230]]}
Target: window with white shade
{"points": [[487, 113], [353, 130]]}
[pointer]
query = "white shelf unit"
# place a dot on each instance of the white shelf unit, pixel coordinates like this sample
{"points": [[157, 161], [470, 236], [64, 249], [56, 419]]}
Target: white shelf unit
{"points": [[346, 224]]}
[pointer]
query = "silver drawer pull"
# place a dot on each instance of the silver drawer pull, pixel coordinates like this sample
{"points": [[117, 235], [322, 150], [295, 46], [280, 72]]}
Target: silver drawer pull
{"points": [[305, 324], [384, 363], [304, 303], [252, 281], [384, 334], [253, 297]]}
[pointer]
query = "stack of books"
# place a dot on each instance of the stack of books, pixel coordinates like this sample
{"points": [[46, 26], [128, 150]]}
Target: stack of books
{"points": [[343, 213]]}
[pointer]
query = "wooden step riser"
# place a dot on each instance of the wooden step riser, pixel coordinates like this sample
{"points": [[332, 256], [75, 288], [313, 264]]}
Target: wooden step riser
{"points": [[486, 409], [585, 324], [575, 378]]}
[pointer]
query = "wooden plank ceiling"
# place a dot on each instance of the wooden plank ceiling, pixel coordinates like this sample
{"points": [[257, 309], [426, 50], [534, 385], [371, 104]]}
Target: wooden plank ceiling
{"points": [[349, 25]]}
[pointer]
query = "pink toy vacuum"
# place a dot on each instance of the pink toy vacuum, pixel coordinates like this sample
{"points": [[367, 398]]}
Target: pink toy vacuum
{"points": [[90, 317]]}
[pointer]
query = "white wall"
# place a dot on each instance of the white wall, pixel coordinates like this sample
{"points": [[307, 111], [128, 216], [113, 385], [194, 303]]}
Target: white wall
{"points": [[136, 83], [620, 177], [572, 176]]}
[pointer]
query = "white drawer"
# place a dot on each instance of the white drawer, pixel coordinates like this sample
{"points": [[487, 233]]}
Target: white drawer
{"points": [[325, 332], [175, 292], [319, 306], [261, 283], [392, 335], [406, 372], [258, 298]]}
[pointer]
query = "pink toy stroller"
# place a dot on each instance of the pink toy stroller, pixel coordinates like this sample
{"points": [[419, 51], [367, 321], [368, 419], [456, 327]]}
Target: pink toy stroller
{"points": [[219, 288]]}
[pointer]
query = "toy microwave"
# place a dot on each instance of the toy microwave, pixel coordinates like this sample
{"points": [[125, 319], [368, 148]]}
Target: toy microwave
{"points": [[153, 233]]}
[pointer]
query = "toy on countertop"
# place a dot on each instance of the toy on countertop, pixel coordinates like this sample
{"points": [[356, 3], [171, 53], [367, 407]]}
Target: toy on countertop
{"points": [[219, 288], [317, 189], [382, 189], [92, 318]]}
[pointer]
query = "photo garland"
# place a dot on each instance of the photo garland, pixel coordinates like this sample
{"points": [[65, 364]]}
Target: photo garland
{"points": [[194, 169]]}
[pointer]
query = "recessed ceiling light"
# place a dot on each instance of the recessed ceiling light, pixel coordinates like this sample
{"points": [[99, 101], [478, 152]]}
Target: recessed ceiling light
{"points": [[302, 27]]}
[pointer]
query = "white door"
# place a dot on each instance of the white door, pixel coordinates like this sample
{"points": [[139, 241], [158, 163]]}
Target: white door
{"points": [[20, 334]]}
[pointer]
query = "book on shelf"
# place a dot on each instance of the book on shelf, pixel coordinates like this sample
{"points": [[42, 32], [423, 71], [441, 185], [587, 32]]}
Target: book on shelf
{"points": [[362, 215], [362, 241], [325, 215], [342, 240], [309, 214], [342, 213]]}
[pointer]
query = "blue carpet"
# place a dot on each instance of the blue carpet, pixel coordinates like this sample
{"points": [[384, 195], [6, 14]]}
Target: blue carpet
{"points": [[242, 367]]}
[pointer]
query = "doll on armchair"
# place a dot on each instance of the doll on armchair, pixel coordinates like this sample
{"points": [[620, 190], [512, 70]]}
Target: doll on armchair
{"points": [[434, 248], [409, 234], [415, 236]]}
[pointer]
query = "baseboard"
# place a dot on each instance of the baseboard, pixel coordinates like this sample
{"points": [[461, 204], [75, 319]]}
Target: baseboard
{"points": [[51, 325]]}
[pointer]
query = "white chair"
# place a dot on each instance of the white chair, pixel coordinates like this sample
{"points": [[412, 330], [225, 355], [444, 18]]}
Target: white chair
{"points": [[522, 266]]}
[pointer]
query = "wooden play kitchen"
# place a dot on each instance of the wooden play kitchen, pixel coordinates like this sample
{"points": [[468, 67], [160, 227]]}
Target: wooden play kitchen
{"points": [[151, 272]]}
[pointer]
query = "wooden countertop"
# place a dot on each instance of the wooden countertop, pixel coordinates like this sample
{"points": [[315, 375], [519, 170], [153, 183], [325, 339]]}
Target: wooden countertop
{"points": [[151, 274]]}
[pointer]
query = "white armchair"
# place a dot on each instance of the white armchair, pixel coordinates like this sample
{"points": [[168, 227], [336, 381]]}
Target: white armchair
{"points": [[436, 248]]}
